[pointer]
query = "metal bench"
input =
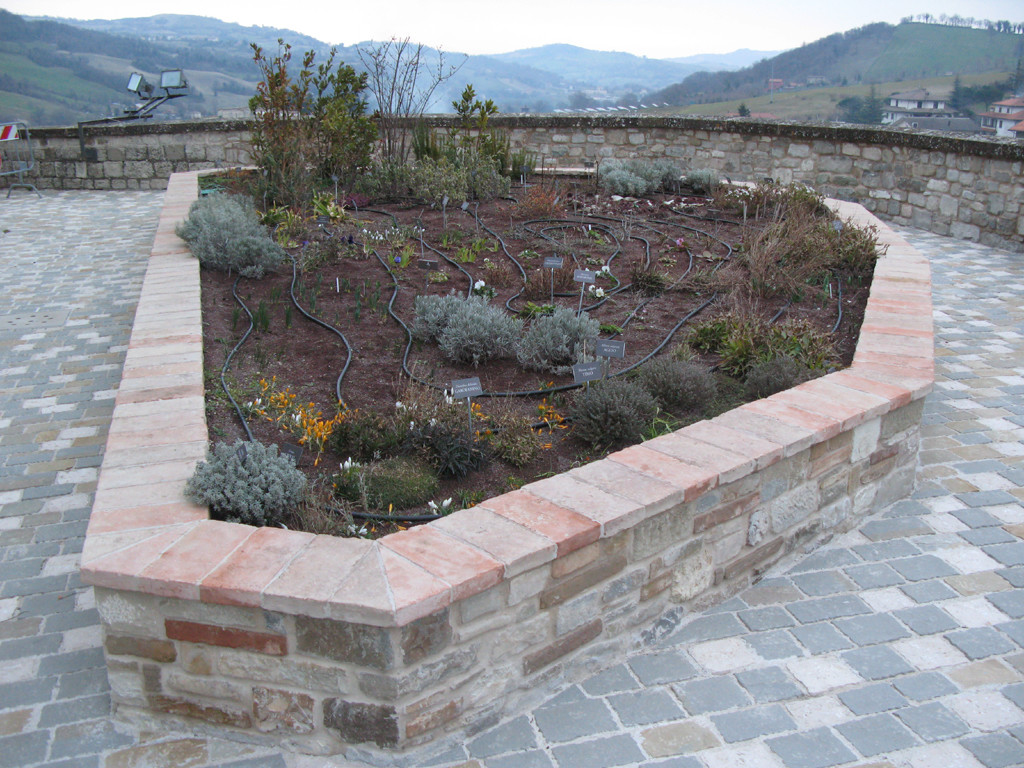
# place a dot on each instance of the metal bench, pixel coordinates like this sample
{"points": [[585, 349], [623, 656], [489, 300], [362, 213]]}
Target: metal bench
{"points": [[16, 157]]}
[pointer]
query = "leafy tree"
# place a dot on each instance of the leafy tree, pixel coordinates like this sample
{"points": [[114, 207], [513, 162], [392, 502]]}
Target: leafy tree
{"points": [[307, 129]]}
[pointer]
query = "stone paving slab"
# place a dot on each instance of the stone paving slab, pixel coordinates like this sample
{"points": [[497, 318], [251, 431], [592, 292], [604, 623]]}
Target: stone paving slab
{"points": [[900, 644]]}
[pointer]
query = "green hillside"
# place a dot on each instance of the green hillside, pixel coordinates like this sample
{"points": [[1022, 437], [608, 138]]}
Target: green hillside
{"points": [[875, 53]]}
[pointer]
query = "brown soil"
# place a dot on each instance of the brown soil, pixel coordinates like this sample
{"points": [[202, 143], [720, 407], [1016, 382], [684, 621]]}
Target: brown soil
{"points": [[349, 289]]}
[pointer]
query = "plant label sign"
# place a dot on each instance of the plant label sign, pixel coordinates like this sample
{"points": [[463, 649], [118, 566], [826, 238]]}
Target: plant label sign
{"points": [[463, 388], [584, 276], [553, 262], [242, 453], [610, 348], [290, 449], [427, 264], [584, 372]]}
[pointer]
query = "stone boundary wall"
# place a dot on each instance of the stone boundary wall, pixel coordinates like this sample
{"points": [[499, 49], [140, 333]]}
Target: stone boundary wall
{"points": [[968, 188], [322, 643]]}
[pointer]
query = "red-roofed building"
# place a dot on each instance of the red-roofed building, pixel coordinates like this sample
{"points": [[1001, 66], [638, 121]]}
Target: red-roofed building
{"points": [[1003, 118]]}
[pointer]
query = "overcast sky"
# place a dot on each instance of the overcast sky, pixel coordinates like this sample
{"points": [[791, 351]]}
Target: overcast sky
{"points": [[654, 28]]}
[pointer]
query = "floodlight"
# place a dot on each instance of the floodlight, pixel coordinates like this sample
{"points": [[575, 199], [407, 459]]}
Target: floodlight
{"points": [[139, 85], [172, 78]]}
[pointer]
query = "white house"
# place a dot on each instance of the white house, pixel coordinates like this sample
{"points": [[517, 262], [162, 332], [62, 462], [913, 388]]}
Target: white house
{"points": [[915, 103], [1003, 117]]}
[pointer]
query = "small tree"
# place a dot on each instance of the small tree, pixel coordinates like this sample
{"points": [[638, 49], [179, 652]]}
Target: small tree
{"points": [[402, 82], [310, 128], [744, 110]]}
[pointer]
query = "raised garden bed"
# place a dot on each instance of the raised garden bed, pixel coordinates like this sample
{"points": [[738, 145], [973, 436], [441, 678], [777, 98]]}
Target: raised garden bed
{"points": [[320, 643], [671, 277]]}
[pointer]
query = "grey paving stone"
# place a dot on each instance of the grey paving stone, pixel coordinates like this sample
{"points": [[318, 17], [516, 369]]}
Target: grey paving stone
{"points": [[986, 498], [777, 644], [1011, 603], [870, 699], [926, 619], [768, 684], [976, 518], [1014, 630], [600, 753], [573, 721], [26, 692], [731, 605], [933, 722], [1015, 693], [455, 754], [980, 537], [821, 638], [87, 738], [23, 749], [825, 559], [820, 583], [995, 750], [644, 707], [711, 627], [923, 567], [810, 611], [664, 667], [877, 734], [711, 694], [816, 748], [929, 591], [874, 575], [872, 629], [571, 695], [924, 686], [533, 758], [752, 723], [514, 736], [980, 642], [269, 761], [675, 762], [770, 617], [895, 528], [983, 465], [75, 711], [876, 662], [75, 661], [1007, 554], [611, 680]]}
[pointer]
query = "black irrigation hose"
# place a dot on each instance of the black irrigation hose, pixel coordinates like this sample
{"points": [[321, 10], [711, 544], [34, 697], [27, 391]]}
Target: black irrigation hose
{"points": [[227, 361], [381, 518], [839, 300], [322, 324]]}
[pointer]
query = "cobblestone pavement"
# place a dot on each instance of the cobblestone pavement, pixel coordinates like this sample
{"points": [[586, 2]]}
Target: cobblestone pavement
{"points": [[898, 644]]}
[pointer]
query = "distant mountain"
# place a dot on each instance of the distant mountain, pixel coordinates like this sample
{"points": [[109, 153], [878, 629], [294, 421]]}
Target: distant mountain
{"points": [[874, 53], [722, 62], [611, 71]]}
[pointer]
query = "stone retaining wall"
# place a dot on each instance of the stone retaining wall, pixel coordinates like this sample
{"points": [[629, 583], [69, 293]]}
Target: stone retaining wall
{"points": [[969, 188], [323, 643]]}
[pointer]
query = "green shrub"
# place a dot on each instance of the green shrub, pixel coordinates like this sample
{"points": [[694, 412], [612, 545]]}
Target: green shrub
{"points": [[258, 491], [611, 412], [513, 439], [702, 180], [385, 179], [434, 180], [368, 435], [636, 178], [389, 485], [775, 375], [447, 447], [555, 341], [225, 234], [744, 341], [678, 385], [467, 330]]}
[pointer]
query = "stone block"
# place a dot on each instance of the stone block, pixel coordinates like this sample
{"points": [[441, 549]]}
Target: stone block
{"points": [[692, 575], [358, 722], [581, 580], [275, 709], [360, 644], [146, 648], [227, 637], [543, 657], [426, 637], [793, 507]]}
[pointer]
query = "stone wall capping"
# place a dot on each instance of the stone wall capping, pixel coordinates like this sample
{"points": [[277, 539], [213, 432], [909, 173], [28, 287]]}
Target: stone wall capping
{"points": [[530, 578]]}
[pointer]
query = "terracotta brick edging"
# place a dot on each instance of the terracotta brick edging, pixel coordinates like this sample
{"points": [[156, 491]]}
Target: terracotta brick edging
{"points": [[319, 642]]}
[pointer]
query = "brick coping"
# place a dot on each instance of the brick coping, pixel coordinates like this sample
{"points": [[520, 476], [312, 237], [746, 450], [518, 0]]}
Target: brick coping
{"points": [[143, 536]]}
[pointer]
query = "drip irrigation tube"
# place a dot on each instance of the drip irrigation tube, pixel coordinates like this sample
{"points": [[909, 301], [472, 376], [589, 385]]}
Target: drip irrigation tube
{"points": [[227, 360]]}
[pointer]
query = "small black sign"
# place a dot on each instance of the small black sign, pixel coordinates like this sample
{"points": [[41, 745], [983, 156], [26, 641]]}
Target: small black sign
{"points": [[290, 449], [610, 348], [553, 262], [427, 264], [242, 453], [463, 388], [584, 276], [583, 372]]}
